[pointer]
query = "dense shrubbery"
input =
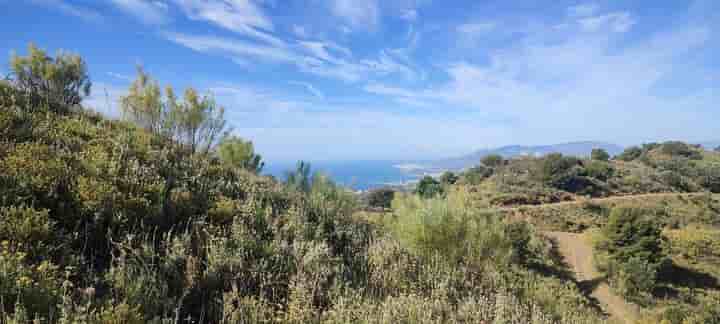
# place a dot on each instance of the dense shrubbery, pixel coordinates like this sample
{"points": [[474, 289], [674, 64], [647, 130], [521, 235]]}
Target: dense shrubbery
{"points": [[599, 154], [631, 251], [428, 187], [113, 222], [381, 198]]}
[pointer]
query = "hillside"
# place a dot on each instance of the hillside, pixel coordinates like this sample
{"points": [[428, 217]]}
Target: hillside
{"points": [[162, 217], [579, 149]]}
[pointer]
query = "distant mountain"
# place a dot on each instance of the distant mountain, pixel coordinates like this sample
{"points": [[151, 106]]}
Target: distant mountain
{"points": [[711, 145], [580, 149]]}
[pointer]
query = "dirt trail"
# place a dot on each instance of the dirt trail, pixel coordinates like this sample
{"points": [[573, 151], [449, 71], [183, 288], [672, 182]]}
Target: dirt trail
{"points": [[577, 253], [597, 200]]}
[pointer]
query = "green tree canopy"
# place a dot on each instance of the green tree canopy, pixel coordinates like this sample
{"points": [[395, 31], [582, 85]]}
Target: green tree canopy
{"points": [[428, 187], [634, 245], [196, 121], [493, 160], [630, 154], [61, 82], [448, 178], [300, 178], [236, 152], [599, 154], [381, 198]]}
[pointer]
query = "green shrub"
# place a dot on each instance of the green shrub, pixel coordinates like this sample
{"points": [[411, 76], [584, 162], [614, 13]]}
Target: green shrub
{"points": [[381, 198], [599, 154], [633, 246], [493, 160], [449, 227], [476, 175], [630, 154], [680, 149], [428, 187]]}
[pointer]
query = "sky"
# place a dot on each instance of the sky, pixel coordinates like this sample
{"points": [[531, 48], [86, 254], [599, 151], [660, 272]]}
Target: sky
{"points": [[402, 79]]}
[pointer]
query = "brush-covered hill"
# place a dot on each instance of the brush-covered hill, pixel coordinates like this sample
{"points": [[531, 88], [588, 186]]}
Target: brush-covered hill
{"points": [[578, 149], [653, 168], [158, 219]]}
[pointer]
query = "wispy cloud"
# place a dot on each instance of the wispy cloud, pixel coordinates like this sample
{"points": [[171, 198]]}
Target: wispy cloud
{"points": [[325, 59], [233, 47], [152, 12], [618, 22], [359, 14], [70, 9], [241, 16], [477, 28], [310, 88]]}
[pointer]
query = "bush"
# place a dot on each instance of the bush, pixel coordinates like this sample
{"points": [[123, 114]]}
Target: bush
{"points": [[680, 149], [493, 160], [554, 166], [599, 154], [476, 175], [428, 187], [381, 198], [634, 249], [61, 82], [599, 170], [449, 227], [448, 178], [630, 154]]}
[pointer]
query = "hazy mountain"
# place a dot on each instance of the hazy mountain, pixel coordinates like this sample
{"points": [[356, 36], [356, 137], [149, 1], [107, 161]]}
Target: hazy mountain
{"points": [[711, 145], [580, 149]]}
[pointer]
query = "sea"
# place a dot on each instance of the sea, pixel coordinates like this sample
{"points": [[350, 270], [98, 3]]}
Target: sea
{"points": [[358, 175]]}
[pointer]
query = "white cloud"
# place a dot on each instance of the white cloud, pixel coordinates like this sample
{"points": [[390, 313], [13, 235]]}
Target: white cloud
{"points": [[233, 48], [149, 12], [390, 91], [478, 28], [310, 88], [69, 9], [618, 22], [241, 16], [582, 10], [358, 13]]}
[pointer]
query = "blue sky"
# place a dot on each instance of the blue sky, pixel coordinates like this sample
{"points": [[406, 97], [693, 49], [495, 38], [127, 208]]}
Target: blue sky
{"points": [[403, 79]]}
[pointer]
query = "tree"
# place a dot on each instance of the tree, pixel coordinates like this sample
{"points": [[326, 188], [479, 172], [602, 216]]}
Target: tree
{"points": [[238, 153], [300, 178], [599, 154], [717, 149], [428, 187], [61, 82], [676, 148], [630, 154], [448, 178], [477, 174], [381, 198], [493, 160], [144, 104], [200, 122], [554, 165], [633, 244], [196, 121]]}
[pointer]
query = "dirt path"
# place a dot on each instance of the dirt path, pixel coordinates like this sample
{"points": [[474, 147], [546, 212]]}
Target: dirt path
{"points": [[598, 200], [577, 253]]}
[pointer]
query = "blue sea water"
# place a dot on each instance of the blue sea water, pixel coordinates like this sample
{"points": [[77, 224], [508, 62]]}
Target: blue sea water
{"points": [[358, 175]]}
